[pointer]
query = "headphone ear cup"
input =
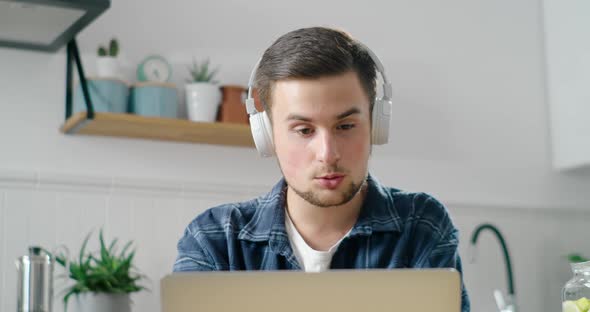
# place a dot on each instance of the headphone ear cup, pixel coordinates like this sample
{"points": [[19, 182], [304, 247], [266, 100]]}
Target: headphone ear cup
{"points": [[381, 120], [262, 134]]}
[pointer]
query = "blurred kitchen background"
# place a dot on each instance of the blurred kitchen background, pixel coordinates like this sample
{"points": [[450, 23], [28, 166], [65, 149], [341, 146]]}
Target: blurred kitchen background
{"points": [[475, 103]]}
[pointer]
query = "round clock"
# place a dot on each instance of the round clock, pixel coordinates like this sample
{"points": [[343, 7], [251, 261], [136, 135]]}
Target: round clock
{"points": [[154, 68]]}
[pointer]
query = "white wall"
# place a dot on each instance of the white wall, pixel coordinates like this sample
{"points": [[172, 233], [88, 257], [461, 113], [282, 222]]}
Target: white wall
{"points": [[568, 72], [470, 119]]}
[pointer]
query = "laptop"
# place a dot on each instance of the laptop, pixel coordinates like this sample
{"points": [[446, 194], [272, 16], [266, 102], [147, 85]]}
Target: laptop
{"points": [[296, 291]]}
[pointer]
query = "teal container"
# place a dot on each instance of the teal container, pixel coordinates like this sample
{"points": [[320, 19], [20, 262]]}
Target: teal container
{"points": [[154, 99], [106, 95]]}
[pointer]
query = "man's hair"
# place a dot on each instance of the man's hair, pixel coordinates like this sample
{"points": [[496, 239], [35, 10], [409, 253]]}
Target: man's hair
{"points": [[311, 53]]}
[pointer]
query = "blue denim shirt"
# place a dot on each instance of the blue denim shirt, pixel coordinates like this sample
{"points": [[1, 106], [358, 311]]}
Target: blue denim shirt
{"points": [[395, 229]]}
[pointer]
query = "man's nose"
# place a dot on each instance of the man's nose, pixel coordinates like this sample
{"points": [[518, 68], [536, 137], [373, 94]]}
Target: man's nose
{"points": [[327, 149]]}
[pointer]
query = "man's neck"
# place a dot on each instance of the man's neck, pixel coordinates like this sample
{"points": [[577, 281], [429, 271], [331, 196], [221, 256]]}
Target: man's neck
{"points": [[322, 227]]}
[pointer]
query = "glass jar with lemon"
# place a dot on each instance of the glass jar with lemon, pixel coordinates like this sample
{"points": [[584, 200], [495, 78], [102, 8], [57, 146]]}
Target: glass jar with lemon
{"points": [[575, 295]]}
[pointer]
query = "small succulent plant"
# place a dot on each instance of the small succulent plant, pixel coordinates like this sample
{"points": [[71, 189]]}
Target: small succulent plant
{"points": [[201, 72], [112, 51]]}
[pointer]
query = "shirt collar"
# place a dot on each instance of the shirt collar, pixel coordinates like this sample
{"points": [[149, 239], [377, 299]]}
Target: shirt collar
{"points": [[378, 214]]}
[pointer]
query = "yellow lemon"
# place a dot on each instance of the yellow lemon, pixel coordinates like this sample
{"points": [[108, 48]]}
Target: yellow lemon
{"points": [[569, 306], [583, 304]]}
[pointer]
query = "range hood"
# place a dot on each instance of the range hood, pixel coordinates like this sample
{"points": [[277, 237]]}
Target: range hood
{"points": [[45, 25]]}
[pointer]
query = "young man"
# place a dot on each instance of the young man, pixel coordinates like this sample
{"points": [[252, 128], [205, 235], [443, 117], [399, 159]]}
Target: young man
{"points": [[318, 87]]}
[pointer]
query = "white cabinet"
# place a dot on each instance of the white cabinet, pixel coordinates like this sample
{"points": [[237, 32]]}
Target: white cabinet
{"points": [[567, 50]]}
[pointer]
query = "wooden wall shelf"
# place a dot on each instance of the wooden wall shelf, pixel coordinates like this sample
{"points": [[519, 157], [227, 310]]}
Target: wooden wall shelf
{"points": [[154, 128]]}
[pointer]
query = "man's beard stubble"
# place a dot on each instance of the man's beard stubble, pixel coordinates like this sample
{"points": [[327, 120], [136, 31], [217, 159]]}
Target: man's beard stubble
{"points": [[312, 198]]}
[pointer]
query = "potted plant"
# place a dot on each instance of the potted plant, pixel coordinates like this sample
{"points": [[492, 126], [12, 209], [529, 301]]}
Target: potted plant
{"points": [[576, 257], [102, 282], [202, 93], [107, 64]]}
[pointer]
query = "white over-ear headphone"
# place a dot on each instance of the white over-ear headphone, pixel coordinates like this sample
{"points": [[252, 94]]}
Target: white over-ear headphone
{"points": [[262, 129]]}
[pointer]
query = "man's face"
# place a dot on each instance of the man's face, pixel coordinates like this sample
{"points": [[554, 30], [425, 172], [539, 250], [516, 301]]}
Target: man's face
{"points": [[321, 131]]}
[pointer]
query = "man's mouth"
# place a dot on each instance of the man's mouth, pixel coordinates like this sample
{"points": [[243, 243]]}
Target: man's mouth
{"points": [[331, 176], [330, 181]]}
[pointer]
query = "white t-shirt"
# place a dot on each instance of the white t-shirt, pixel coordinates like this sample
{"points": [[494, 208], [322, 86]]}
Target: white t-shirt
{"points": [[309, 259]]}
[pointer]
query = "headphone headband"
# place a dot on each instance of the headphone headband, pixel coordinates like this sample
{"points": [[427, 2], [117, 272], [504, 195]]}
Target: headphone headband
{"points": [[250, 107]]}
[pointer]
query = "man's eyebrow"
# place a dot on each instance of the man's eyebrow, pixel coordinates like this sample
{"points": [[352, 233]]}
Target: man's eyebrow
{"points": [[297, 117], [347, 113]]}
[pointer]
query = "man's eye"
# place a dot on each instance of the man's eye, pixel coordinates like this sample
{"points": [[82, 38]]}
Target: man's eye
{"points": [[304, 131], [346, 126]]}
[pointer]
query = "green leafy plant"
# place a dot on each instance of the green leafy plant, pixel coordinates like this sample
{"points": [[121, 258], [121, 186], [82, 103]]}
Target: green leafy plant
{"points": [[576, 257], [201, 73], [112, 51], [109, 272]]}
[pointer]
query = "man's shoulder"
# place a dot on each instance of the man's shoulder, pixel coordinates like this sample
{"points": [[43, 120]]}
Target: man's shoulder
{"points": [[225, 217], [249, 219], [416, 203], [417, 207]]}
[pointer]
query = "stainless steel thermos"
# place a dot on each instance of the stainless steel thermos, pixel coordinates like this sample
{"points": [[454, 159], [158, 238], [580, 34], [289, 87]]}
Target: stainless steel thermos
{"points": [[35, 281]]}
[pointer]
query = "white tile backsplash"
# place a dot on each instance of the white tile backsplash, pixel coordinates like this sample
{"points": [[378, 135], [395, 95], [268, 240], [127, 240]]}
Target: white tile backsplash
{"points": [[18, 205], [3, 258], [43, 219], [154, 218]]}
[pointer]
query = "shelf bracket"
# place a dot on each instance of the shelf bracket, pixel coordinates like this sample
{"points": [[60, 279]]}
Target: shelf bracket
{"points": [[73, 55]]}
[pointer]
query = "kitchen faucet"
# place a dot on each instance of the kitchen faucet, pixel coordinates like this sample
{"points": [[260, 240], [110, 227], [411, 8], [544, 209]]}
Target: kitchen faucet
{"points": [[510, 303]]}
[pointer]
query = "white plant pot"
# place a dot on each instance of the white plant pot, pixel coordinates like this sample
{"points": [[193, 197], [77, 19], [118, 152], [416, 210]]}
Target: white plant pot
{"points": [[100, 302], [107, 67], [202, 101]]}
